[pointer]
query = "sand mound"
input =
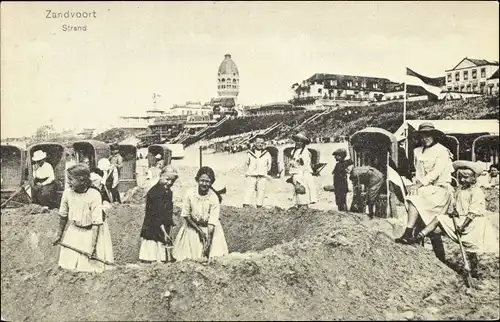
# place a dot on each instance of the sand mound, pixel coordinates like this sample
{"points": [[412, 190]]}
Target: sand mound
{"points": [[284, 265]]}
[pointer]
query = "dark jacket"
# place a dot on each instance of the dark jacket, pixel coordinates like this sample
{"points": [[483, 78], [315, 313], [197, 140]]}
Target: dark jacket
{"points": [[340, 176], [159, 211]]}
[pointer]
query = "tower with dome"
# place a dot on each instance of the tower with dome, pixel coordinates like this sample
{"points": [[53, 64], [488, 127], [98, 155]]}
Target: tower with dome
{"points": [[228, 78], [228, 88]]}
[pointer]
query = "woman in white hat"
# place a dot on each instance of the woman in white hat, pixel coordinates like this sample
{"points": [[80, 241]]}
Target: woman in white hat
{"points": [[45, 189], [431, 195], [110, 178], [301, 171]]}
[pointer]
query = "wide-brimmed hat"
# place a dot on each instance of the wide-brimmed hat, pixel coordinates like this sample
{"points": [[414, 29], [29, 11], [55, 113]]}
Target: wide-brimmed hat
{"points": [[39, 155], [429, 128], [104, 164], [476, 167], [301, 137]]}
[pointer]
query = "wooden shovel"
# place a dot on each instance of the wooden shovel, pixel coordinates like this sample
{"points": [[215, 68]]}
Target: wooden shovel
{"points": [[86, 254], [13, 195], [470, 281]]}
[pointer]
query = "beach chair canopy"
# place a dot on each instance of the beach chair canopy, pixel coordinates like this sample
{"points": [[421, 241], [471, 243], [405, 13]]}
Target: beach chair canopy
{"points": [[92, 149], [162, 150]]}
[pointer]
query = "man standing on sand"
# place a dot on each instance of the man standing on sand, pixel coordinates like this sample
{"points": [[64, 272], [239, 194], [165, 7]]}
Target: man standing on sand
{"points": [[258, 165], [116, 159]]}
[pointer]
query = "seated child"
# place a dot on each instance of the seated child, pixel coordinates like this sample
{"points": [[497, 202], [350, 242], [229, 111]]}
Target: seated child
{"points": [[468, 208]]}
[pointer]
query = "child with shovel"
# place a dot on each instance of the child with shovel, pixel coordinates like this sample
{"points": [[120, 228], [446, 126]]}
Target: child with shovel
{"points": [[81, 211], [465, 221], [156, 242]]}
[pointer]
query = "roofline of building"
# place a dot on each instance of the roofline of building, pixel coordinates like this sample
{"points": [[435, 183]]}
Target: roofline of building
{"points": [[347, 76], [489, 63]]}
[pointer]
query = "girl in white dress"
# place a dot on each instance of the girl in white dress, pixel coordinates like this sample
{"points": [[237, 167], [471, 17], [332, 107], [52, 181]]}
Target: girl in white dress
{"points": [[201, 235], [81, 210]]}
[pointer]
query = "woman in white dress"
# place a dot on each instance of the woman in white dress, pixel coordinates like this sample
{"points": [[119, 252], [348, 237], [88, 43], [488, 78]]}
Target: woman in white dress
{"points": [[301, 170], [45, 189], [201, 235], [81, 210], [431, 195]]}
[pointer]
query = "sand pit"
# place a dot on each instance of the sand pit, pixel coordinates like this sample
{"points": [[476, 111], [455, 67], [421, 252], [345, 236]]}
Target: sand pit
{"points": [[284, 265]]}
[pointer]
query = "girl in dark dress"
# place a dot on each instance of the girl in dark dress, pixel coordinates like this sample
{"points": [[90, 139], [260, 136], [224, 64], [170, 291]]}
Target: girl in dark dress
{"points": [[158, 221]]}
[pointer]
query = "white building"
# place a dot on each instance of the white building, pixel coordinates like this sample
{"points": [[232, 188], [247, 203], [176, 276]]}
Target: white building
{"points": [[140, 121], [472, 76], [191, 108]]}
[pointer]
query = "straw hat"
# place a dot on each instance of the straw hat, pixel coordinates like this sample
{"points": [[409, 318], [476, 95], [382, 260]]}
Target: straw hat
{"points": [[301, 137], [429, 128], [476, 167], [104, 164], [39, 155]]}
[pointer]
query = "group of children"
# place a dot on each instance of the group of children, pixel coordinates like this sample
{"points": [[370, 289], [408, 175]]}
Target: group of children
{"points": [[84, 234], [86, 244]]}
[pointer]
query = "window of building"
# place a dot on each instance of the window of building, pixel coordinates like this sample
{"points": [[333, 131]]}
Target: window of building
{"points": [[375, 85], [466, 75], [356, 84], [449, 77], [319, 90], [474, 73], [223, 80], [457, 77], [234, 80], [363, 84], [483, 72], [333, 82], [349, 83]]}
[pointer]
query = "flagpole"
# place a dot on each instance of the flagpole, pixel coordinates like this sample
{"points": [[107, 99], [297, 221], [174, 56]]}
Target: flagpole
{"points": [[405, 127], [404, 106]]}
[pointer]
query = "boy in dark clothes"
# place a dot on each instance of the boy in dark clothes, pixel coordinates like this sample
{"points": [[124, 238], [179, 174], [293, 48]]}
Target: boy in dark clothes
{"points": [[158, 221], [340, 178], [373, 180]]}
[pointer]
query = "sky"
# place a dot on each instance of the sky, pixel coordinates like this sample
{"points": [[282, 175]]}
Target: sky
{"points": [[130, 50]]}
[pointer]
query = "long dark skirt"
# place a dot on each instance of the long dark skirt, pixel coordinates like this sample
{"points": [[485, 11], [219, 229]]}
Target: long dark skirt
{"points": [[46, 195]]}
